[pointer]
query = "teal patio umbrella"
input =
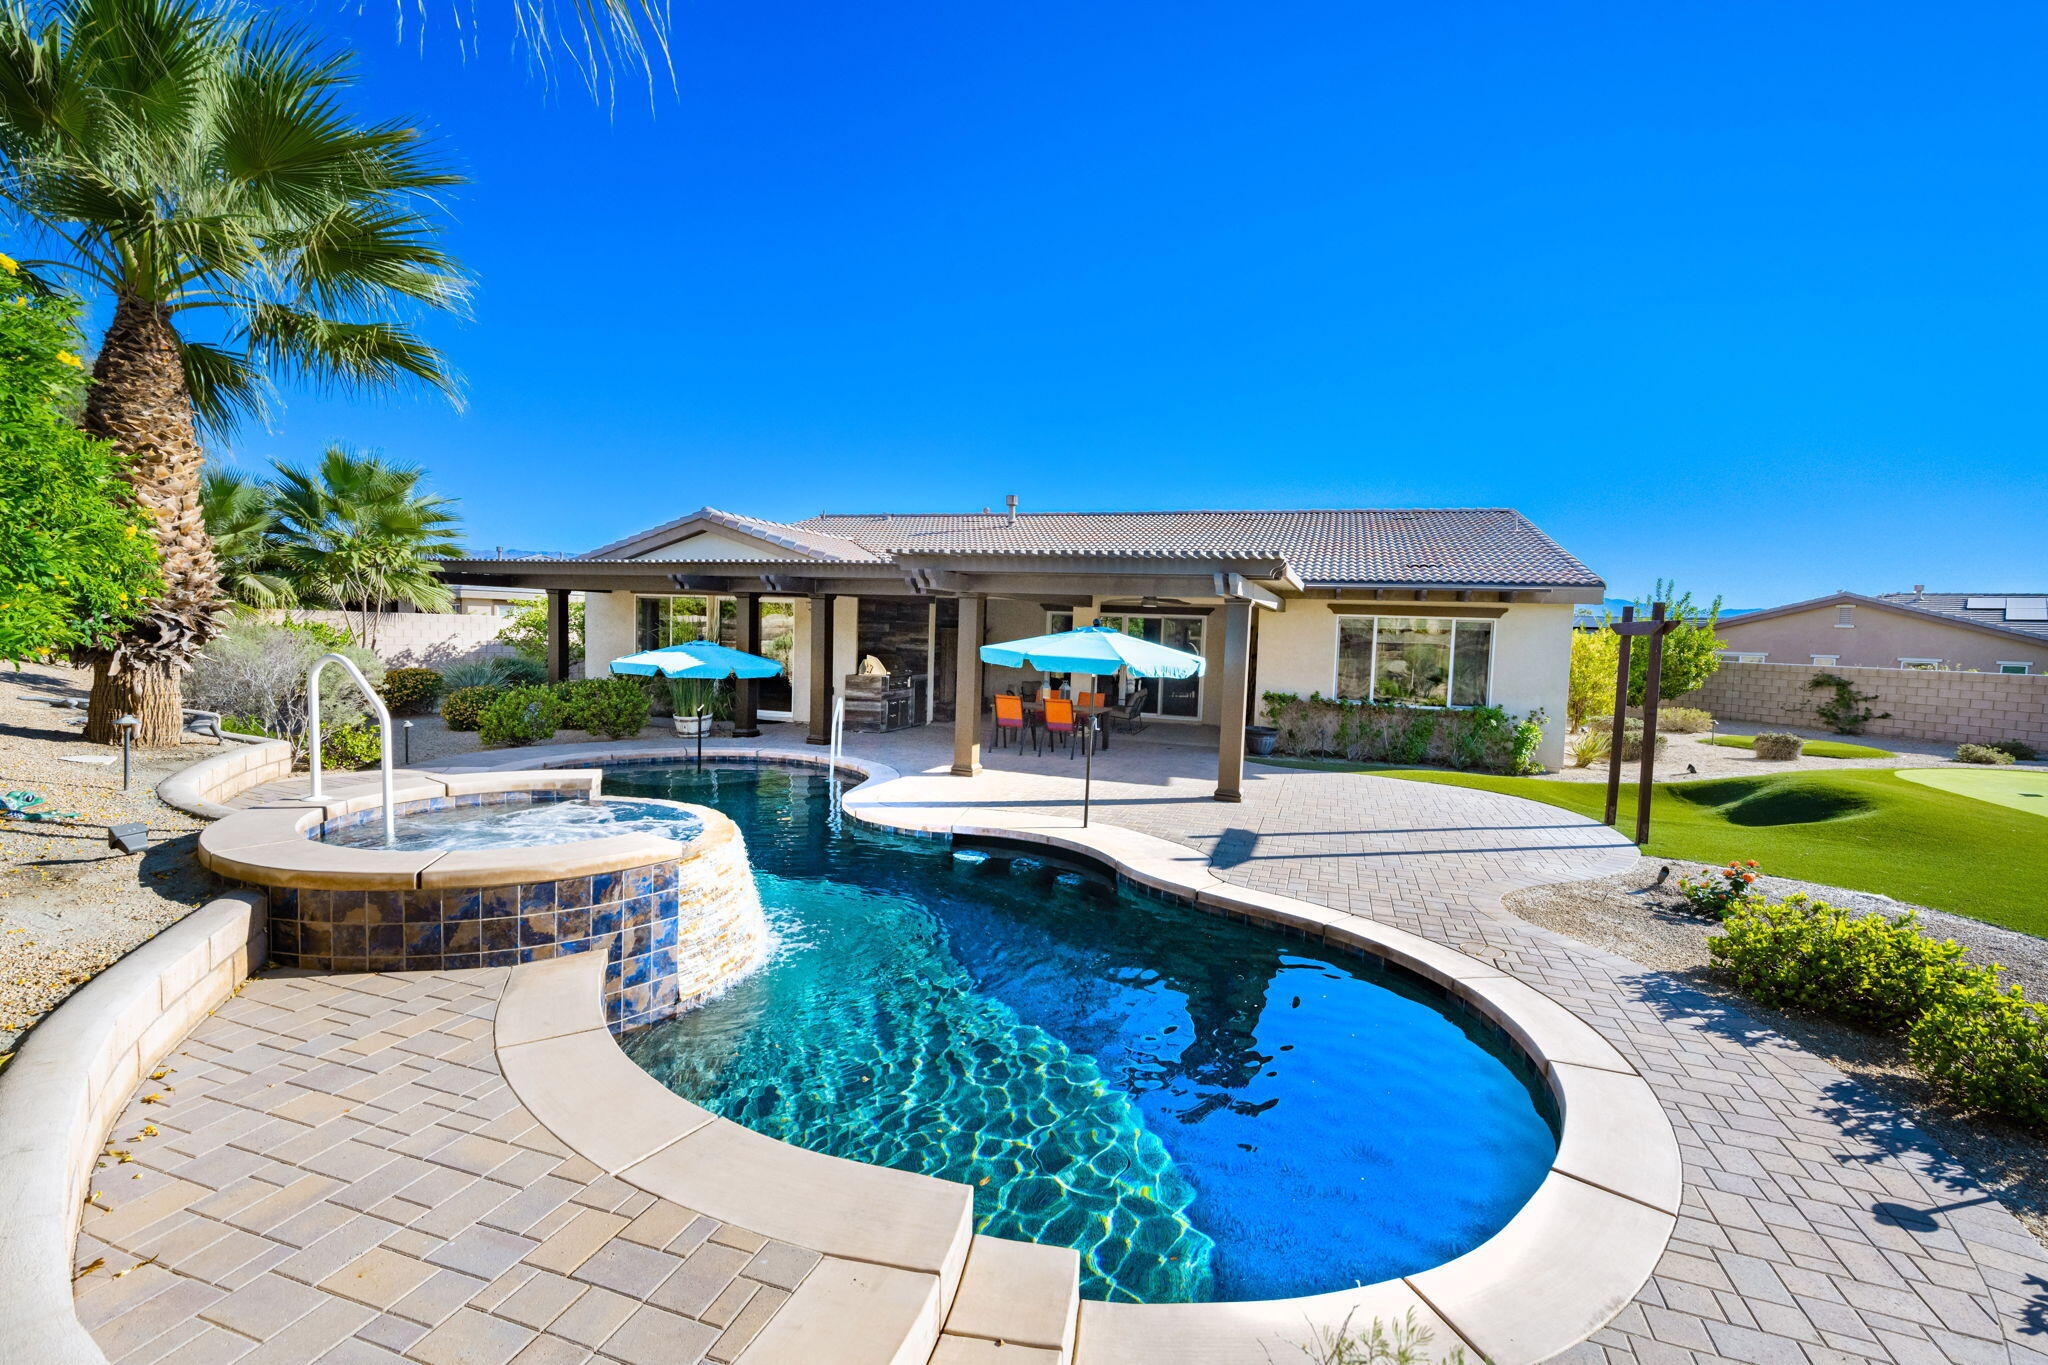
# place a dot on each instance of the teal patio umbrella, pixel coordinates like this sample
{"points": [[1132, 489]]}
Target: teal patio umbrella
{"points": [[1095, 650], [699, 659]]}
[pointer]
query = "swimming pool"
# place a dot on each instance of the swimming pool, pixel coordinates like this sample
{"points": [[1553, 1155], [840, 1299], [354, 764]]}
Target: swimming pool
{"points": [[1204, 1109]]}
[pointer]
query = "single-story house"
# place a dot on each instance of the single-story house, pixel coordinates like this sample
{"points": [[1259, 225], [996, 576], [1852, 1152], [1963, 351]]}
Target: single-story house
{"points": [[1424, 606], [1979, 632]]}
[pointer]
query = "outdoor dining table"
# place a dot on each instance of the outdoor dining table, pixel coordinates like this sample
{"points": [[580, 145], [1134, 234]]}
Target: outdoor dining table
{"points": [[1034, 716]]}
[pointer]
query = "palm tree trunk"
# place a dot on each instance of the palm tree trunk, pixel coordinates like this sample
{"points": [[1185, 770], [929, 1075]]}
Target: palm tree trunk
{"points": [[139, 402]]}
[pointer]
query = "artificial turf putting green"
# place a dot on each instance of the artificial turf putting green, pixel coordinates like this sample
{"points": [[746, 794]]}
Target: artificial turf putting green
{"points": [[1817, 748], [2023, 789], [1863, 828]]}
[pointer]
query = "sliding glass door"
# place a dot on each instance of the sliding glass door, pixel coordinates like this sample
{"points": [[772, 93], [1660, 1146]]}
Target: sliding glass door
{"points": [[1167, 698]]}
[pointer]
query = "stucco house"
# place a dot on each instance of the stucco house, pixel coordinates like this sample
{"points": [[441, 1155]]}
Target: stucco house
{"points": [[1980, 632], [1426, 606]]}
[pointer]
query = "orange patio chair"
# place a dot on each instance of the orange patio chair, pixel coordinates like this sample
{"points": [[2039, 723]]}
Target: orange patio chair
{"points": [[1059, 721], [1009, 716]]}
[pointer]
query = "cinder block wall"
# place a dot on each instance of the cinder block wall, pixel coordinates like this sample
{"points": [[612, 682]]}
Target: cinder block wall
{"points": [[1950, 708], [424, 639]]}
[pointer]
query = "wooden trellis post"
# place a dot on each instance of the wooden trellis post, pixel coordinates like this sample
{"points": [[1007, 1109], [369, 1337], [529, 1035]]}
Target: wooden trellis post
{"points": [[1656, 628]]}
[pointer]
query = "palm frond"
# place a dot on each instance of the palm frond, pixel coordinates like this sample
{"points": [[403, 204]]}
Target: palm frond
{"points": [[347, 357], [226, 387]]}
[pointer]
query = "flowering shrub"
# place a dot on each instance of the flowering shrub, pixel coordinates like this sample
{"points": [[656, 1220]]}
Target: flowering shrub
{"points": [[523, 715], [1867, 969], [1986, 1046], [462, 707], [1485, 738], [1716, 891]]}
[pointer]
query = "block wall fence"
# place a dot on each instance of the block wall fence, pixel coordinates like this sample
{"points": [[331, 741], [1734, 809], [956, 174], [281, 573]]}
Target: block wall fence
{"points": [[1948, 708], [423, 639]]}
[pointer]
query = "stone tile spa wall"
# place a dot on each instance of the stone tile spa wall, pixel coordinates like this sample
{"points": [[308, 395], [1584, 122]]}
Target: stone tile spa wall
{"points": [[673, 930]]}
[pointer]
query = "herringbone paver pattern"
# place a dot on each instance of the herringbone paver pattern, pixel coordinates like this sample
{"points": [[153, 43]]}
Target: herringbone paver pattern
{"points": [[332, 1169]]}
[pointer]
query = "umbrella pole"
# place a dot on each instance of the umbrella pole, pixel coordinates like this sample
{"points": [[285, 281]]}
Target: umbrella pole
{"points": [[1087, 768], [700, 736]]}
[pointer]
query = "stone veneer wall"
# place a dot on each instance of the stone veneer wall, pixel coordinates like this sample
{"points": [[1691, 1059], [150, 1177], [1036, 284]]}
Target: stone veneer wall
{"points": [[671, 930], [1951, 708]]}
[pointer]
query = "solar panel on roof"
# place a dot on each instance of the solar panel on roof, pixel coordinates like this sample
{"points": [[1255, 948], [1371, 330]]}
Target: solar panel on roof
{"points": [[2026, 609], [1985, 604]]}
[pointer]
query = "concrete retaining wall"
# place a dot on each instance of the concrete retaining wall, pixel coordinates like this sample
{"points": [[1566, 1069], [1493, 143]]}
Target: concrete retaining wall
{"points": [[420, 639], [1924, 704], [71, 1078], [205, 788]]}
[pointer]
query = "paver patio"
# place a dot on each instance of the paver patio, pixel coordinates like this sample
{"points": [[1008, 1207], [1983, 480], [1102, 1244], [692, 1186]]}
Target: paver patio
{"points": [[341, 1169]]}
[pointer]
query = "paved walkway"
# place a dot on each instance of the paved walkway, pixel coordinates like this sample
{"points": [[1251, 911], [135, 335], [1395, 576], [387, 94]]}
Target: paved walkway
{"points": [[1819, 1226]]}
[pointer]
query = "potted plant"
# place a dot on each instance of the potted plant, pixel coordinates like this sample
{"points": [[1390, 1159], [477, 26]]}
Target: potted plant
{"points": [[692, 699], [1259, 739]]}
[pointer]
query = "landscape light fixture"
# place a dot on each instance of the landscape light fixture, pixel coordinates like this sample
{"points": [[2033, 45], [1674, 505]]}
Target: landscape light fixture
{"points": [[129, 837], [127, 725], [405, 734]]}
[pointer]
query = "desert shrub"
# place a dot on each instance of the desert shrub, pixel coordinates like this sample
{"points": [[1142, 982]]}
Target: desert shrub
{"points": [[1684, 720], [1986, 1046], [1719, 890], [333, 638], [1777, 746], [351, 746], [242, 725], [1867, 969], [1407, 1342], [1845, 711], [522, 715], [257, 669], [520, 671], [461, 708], [1486, 738], [1981, 753], [613, 708], [2021, 751], [410, 691], [1589, 747], [479, 672], [1631, 738]]}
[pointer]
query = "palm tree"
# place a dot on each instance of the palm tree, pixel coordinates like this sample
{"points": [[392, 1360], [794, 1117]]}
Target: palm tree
{"points": [[199, 170], [242, 525], [357, 534]]}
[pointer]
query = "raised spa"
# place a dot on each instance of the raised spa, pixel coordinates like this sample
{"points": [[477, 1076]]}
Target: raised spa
{"points": [[500, 870], [1205, 1109]]}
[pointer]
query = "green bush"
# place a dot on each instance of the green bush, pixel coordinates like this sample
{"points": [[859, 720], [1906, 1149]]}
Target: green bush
{"points": [[480, 672], [333, 638], [1777, 746], [1684, 720], [1867, 969], [519, 671], [613, 708], [410, 691], [1986, 1047], [1981, 753], [523, 715], [1590, 747], [462, 707], [352, 746], [243, 725], [1485, 738], [2021, 751]]}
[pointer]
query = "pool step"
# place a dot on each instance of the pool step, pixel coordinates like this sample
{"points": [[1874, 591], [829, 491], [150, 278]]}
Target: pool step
{"points": [[1017, 1304]]}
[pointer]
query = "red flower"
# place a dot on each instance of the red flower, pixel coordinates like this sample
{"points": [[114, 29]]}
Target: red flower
{"points": [[1752, 862], [1749, 876]]}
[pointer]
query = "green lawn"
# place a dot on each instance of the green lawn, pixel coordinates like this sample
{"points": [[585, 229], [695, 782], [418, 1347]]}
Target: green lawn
{"points": [[1818, 748], [1861, 828]]}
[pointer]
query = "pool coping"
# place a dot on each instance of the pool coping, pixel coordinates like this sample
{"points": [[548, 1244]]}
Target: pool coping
{"points": [[1570, 1259]]}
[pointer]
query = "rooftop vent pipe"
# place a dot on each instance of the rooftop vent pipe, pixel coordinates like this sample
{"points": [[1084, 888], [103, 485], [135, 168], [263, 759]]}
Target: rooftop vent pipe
{"points": [[1919, 591], [1012, 501]]}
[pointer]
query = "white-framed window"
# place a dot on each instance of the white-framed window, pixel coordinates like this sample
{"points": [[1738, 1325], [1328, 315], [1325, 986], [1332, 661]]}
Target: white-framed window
{"points": [[1827, 660], [2014, 666], [1919, 663], [1415, 660], [1845, 618], [1736, 656]]}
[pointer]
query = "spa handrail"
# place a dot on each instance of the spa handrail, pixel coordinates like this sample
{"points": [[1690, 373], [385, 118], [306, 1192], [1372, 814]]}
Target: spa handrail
{"points": [[313, 730]]}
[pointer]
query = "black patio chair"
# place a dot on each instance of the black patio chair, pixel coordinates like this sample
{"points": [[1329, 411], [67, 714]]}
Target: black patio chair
{"points": [[1130, 717]]}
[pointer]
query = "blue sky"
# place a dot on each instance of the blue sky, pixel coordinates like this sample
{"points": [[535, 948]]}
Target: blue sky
{"points": [[1751, 295]]}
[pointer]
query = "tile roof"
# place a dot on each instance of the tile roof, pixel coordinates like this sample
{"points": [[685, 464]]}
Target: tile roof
{"points": [[1955, 606], [807, 542], [1478, 545]]}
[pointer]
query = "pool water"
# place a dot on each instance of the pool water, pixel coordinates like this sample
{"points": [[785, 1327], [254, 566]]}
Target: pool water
{"points": [[1204, 1109], [518, 825]]}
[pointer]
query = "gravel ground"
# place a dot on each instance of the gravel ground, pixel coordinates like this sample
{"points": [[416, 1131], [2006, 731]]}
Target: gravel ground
{"points": [[1714, 760], [69, 905], [1628, 914]]}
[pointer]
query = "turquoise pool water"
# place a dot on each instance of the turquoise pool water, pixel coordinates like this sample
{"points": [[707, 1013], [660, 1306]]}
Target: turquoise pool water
{"points": [[1204, 1109]]}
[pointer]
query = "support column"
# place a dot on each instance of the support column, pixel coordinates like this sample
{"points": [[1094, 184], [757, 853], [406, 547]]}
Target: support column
{"points": [[746, 692], [558, 634], [967, 688], [820, 652], [1235, 713]]}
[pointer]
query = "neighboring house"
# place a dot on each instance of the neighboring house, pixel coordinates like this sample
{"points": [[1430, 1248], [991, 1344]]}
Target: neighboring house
{"points": [[1449, 607], [1984, 633]]}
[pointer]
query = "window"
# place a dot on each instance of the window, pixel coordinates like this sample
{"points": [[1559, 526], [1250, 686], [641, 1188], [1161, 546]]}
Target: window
{"points": [[2008, 667], [1919, 663], [1736, 656], [1829, 660], [1845, 617], [1178, 698], [668, 621], [1414, 660]]}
